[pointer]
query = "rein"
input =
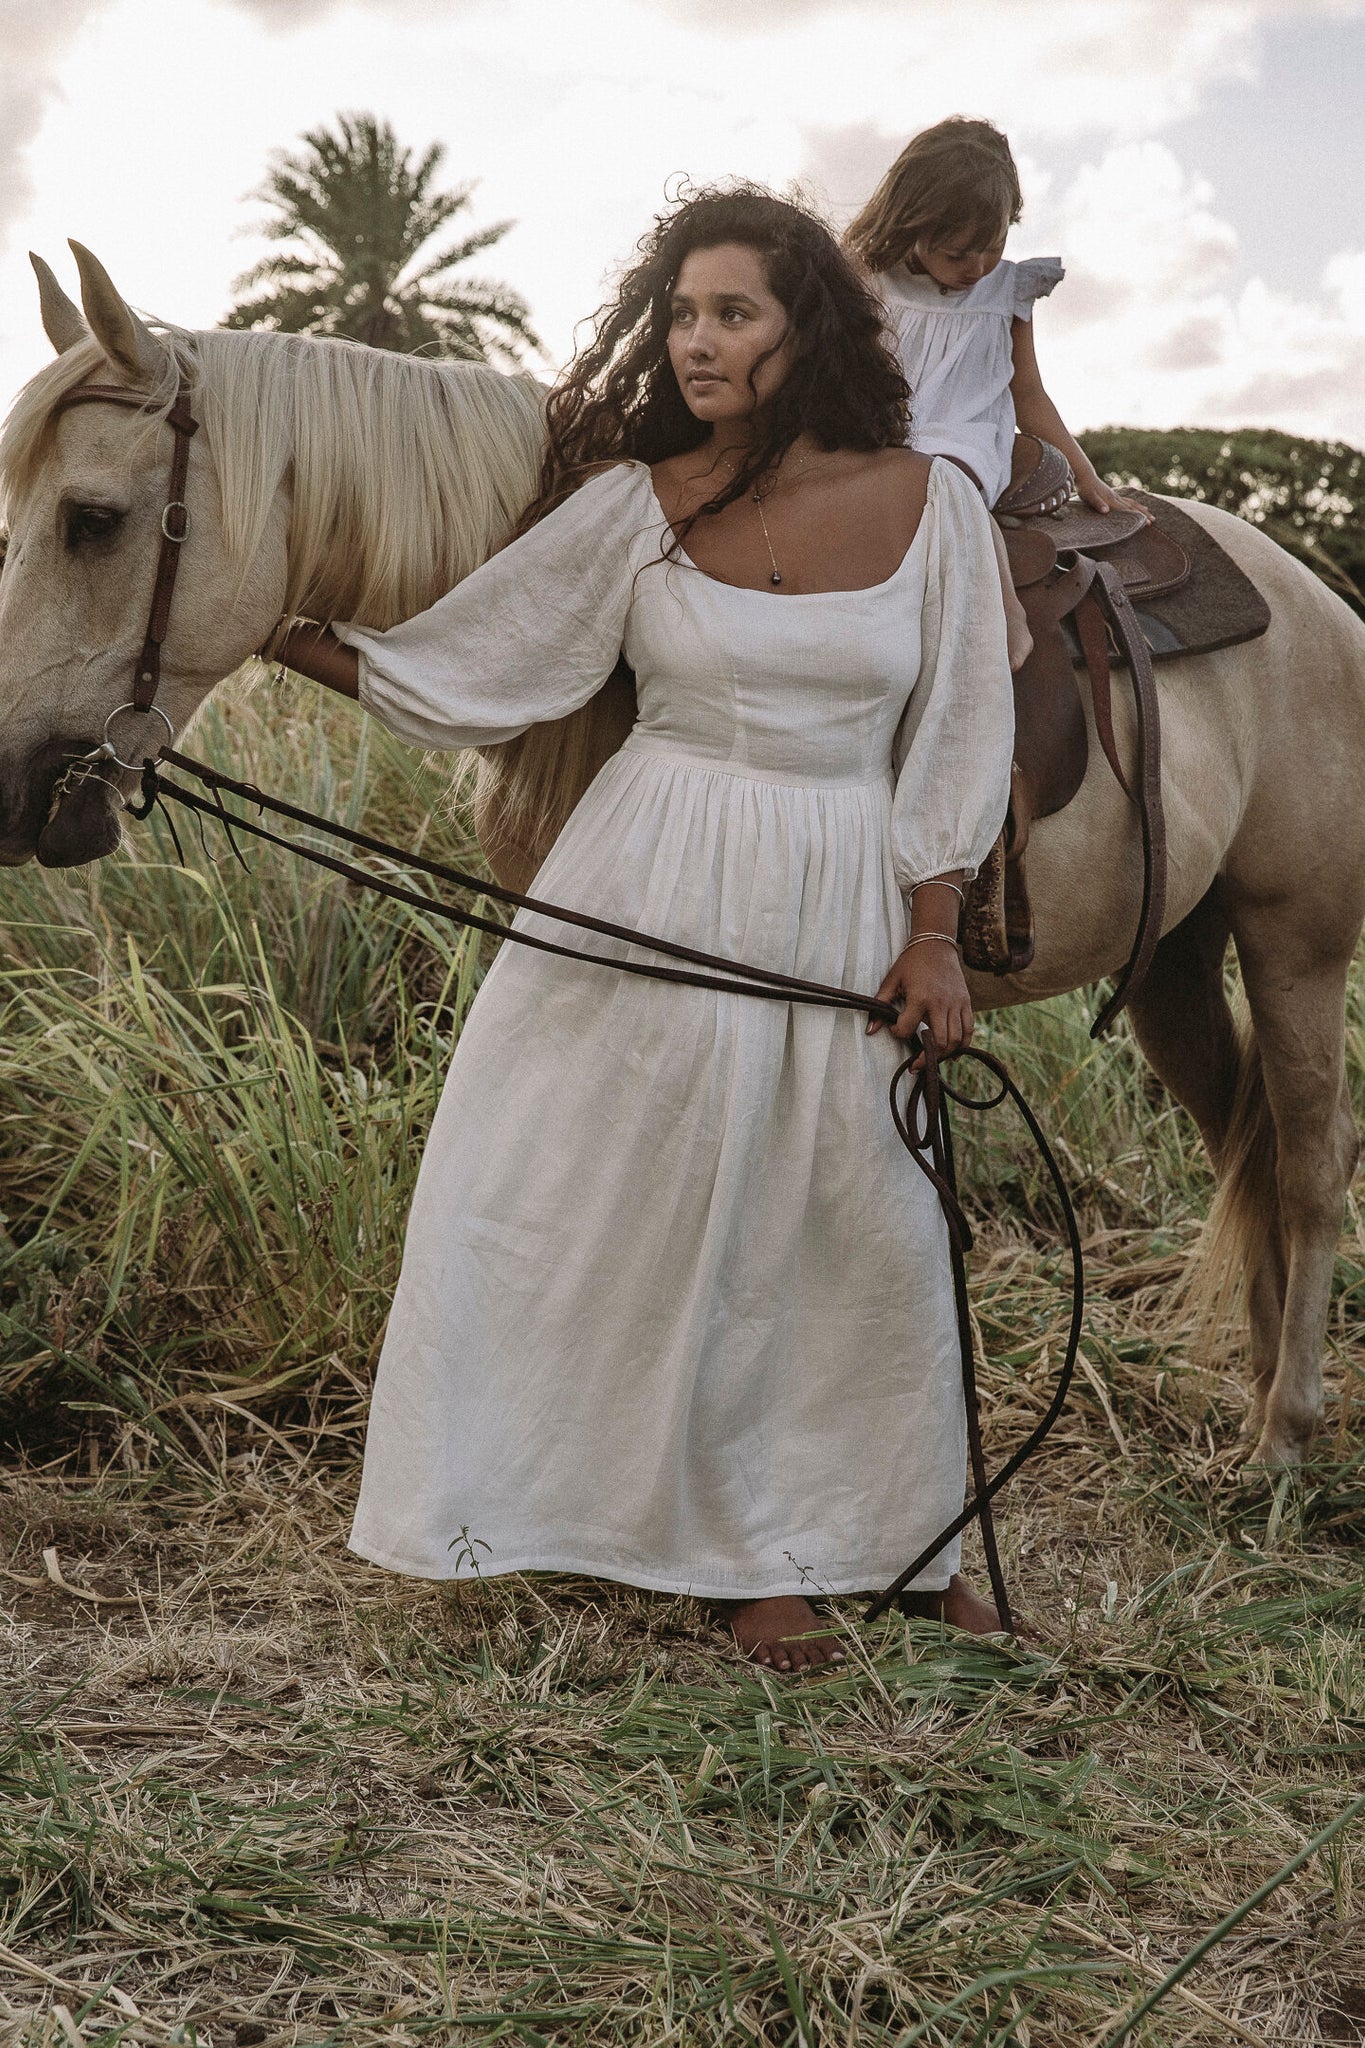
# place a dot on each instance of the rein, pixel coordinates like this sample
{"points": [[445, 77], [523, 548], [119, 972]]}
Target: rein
{"points": [[919, 1094]]}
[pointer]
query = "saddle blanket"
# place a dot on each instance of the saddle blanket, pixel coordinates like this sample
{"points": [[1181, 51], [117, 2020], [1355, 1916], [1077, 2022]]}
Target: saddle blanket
{"points": [[1217, 605]]}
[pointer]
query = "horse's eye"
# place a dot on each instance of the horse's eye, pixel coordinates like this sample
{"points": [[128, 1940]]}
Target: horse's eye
{"points": [[86, 523]]}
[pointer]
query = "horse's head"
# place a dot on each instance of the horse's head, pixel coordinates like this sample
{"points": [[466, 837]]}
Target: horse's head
{"points": [[326, 481], [85, 487]]}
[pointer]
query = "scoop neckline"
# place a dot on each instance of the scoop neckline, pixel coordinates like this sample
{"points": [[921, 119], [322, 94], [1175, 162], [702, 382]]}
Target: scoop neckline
{"points": [[792, 596]]}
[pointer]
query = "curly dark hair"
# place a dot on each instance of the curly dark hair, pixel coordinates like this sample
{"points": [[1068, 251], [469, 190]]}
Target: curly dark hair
{"points": [[620, 399]]}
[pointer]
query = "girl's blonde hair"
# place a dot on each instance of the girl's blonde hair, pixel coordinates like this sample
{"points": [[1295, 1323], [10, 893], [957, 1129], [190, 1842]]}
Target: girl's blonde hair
{"points": [[954, 178]]}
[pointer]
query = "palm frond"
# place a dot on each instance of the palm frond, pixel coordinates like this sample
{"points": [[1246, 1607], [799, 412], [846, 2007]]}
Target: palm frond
{"points": [[358, 213]]}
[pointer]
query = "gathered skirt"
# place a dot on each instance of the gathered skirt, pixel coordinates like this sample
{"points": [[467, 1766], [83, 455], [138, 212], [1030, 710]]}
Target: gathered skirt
{"points": [[676, 1306]]}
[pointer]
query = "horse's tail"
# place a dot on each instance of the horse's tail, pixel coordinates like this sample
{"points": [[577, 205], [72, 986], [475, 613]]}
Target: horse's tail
{"points": [[1243, 1230]]}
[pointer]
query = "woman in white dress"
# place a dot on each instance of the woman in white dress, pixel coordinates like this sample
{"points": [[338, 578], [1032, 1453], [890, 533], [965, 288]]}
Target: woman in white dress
{"points": [[933, 236], [675, 1306]]}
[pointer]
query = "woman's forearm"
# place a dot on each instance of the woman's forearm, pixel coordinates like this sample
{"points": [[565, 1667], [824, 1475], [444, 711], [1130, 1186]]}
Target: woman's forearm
{"points": [[935, 904], [315, 651]]}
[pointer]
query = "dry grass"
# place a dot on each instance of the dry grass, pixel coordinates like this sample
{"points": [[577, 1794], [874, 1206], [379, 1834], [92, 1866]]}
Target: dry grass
{"points": [[259, 1792]]}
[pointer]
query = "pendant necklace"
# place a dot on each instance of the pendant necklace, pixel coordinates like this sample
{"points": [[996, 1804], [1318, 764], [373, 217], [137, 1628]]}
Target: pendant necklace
{"points": [[776, 578]]}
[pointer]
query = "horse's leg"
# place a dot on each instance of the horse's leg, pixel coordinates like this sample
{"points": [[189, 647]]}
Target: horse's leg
{"points": [[1182, 1021], [1185, 1027], [1296, 986]]}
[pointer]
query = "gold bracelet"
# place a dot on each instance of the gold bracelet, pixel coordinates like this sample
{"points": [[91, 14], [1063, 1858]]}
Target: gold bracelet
{"points": [[933, 884], [922, 938]]}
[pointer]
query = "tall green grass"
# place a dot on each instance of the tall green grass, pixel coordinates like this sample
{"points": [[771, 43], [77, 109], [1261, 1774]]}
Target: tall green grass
{"points": [[215, 1079], [272, 1795]]}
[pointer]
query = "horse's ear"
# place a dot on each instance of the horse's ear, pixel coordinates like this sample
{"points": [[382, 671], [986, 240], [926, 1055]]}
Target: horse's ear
{"points": [[62, 320], [128, 344]]}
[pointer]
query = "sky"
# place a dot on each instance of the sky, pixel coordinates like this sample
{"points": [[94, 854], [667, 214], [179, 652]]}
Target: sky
{"points": [[1199, 165]]}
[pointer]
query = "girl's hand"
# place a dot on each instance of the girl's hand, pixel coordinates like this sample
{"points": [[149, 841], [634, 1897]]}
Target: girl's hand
{"points": [[928, 983], [1101, 497]]}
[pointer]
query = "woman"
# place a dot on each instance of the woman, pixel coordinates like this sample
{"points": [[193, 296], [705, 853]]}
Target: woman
{"points": [[675, 1306]]}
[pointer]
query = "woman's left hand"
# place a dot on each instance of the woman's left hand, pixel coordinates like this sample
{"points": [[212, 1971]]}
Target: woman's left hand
{"points": [[928, 983]]}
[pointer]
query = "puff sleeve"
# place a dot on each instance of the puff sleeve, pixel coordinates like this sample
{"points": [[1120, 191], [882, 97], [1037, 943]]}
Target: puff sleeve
{"points": [[530, 636], [1033, 280], [956, 739]]}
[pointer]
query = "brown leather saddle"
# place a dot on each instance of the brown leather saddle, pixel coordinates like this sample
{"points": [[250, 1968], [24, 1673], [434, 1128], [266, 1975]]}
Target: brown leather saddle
{"points": [[1079, 575]]}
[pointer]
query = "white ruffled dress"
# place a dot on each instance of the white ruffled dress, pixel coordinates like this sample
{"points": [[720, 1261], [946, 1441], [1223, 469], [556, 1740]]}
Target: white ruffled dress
{"points": [[675, 1305], [956, 351]]}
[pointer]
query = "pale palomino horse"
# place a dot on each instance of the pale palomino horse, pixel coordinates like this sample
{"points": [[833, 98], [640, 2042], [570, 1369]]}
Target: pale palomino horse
{"points": [[330, 481]]}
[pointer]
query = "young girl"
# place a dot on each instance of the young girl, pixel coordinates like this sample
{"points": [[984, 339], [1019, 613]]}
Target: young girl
{"points": [[933, 234]]}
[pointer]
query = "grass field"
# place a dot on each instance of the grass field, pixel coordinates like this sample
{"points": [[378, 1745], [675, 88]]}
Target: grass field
{"points": [[254, 1791]]}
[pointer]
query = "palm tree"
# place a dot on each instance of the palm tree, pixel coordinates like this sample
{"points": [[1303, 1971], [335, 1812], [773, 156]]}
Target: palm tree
{"points": [[361, 212]]}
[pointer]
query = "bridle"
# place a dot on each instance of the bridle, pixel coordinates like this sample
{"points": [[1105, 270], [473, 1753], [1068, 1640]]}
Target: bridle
{"points": [[175, 527]]}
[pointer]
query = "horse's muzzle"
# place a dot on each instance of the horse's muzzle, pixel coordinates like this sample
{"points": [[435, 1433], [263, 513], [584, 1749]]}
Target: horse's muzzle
{"points": [[59, 809]]}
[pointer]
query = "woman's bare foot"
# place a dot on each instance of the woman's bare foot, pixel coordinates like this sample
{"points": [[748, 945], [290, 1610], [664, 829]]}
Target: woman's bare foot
{"points": [[1018, 639], [783, 1634], [959, 1605]]}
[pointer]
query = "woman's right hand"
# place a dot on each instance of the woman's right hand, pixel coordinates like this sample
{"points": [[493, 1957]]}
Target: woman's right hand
{"points": [[315, 651]]}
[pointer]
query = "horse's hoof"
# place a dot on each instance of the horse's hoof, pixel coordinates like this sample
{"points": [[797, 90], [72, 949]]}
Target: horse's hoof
{"points": [[1274, 1452]]}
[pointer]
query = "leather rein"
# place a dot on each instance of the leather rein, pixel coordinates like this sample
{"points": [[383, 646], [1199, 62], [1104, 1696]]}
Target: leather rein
{"points": [[919, 1093]]}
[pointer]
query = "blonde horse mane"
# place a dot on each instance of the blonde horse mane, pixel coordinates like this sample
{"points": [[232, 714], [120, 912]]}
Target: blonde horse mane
{"points": [[405, 474]]}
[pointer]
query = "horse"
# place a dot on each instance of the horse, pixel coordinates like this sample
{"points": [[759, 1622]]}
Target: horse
{"points": [[330, 481]]}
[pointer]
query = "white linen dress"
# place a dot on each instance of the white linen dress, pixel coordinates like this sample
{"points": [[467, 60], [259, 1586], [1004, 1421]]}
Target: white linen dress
{"points": [[957, 354], [675, 1304]]}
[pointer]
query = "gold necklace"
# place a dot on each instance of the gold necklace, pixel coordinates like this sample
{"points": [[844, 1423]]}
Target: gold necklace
{"points": [[776, 578]]}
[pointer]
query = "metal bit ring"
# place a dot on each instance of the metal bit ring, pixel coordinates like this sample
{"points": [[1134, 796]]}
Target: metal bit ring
{"points": [[148, 711]]}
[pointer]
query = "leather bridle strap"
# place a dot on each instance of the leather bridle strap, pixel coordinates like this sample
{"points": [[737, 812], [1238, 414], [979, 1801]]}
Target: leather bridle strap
{"points": [[978, 1508], [175, 518]]}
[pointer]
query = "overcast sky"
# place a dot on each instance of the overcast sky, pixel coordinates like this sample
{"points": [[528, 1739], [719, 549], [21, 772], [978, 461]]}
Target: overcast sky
{"points": [[1196, 163]]}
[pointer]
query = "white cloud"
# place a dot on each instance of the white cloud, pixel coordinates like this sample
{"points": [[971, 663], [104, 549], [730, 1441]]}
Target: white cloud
{"points": [[32, 42], [287, 15], [1344, 280], [1045, 70], [1138, 219], [575, 115], [1152, 328]]}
